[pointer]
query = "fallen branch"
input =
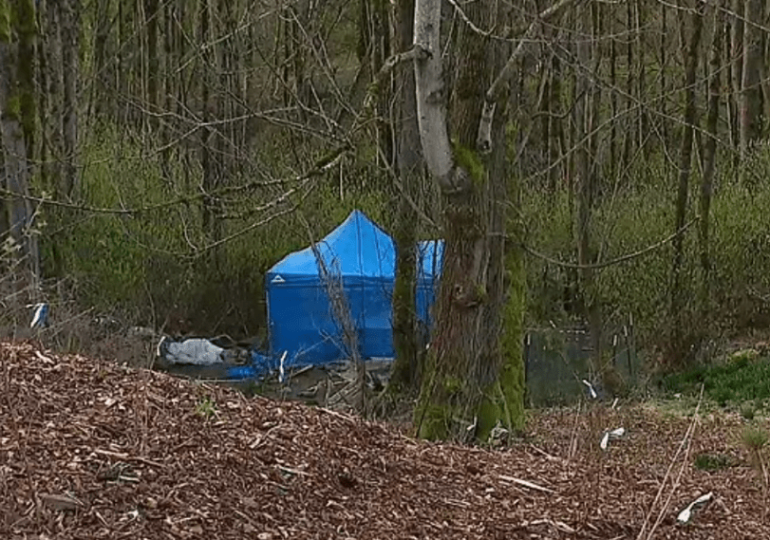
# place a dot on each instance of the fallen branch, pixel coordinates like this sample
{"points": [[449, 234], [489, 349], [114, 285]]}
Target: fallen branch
{"points": [[524, 483]]}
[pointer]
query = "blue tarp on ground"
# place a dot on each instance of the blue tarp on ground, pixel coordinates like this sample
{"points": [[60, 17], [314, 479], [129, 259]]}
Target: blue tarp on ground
{"points": [[300, 317]]}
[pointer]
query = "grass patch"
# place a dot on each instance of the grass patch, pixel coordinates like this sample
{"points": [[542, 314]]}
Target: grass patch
{"points": [[734, 382], [754, 438], [712, 462]]}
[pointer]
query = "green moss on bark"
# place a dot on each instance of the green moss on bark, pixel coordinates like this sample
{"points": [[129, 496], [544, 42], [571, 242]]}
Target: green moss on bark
{"points": [[5, 21], [469, 160], [512, 380]]}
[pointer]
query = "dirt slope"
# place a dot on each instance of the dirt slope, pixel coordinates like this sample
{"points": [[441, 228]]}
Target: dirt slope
{"points": [[90, 450]]}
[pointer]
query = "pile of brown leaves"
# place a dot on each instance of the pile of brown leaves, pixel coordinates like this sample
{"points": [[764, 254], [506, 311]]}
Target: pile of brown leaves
{"points": [[91, 450]]}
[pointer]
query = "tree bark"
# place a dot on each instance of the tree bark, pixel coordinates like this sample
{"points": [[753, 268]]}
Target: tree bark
{"points": [[751, 89], [70, 32], [467, 381], [685, 164], [15, 175], [26, 73], [736, 73], [152, 15], [585, 110], [709, 151], [410, 174]]}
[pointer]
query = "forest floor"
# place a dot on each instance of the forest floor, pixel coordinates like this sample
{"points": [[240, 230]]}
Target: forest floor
{"points": [[89, 450]]}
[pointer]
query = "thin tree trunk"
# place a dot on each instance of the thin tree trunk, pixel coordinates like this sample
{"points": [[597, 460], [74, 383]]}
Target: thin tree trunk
{"points": [[152, 15], [685, 164], [555, 126], [751, 89], [628, 140], [26, 73], [70, 32], [613, 171], [409, 168], [709, 151], [736, 72], [663, 79], [102, 100], [586, 177], [643, 119]]}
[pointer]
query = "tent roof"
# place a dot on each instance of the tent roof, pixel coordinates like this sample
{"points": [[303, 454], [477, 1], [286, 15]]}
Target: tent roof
{"points": [[358, 248]]}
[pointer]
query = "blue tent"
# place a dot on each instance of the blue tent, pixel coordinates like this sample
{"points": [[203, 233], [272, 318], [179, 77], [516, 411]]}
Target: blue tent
{"points": [[300, 317]]}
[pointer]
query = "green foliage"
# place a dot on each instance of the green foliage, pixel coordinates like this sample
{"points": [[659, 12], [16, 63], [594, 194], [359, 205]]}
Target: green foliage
{"points": [[206, 408], [637, 213], [469, 160], [747, 411], [732, 382], [151, 264]]}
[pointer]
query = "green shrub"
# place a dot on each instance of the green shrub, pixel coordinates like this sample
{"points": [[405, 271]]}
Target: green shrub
{"points": [[727, 382]]}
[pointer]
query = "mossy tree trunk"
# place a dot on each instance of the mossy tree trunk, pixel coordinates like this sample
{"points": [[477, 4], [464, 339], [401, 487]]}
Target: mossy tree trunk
{"points": [[469, 379]]}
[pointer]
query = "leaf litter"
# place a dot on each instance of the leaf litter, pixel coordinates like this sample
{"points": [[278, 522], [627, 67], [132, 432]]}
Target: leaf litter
{"points": [[90, 450]]}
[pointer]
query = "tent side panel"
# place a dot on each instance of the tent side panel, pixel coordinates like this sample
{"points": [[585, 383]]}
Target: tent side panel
{"points": [[376, 319], [301, 323]]}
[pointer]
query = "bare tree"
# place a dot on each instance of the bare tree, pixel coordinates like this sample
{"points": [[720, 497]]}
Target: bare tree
{"points": [[685, 166], [736, 71], [751, 116], [709, 154], [70, 39]]}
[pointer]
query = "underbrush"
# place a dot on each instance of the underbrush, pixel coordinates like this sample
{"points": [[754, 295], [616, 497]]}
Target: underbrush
{"points": [[742, 383], [139, 245], [638, 213]]}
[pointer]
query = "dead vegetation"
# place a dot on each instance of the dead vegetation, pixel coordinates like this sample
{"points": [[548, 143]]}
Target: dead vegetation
{"points": [[89, 449]]}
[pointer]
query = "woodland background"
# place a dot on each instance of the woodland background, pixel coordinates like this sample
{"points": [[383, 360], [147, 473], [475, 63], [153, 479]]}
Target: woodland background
{"points": [[160, 155]]}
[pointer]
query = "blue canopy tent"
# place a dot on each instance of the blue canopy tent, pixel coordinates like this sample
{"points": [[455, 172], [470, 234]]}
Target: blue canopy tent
{"points": [[300, 317]]}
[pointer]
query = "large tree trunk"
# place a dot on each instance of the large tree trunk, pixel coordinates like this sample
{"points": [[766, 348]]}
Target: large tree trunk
{"points": [[410, 174], [685, 165], [467, 382]]}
